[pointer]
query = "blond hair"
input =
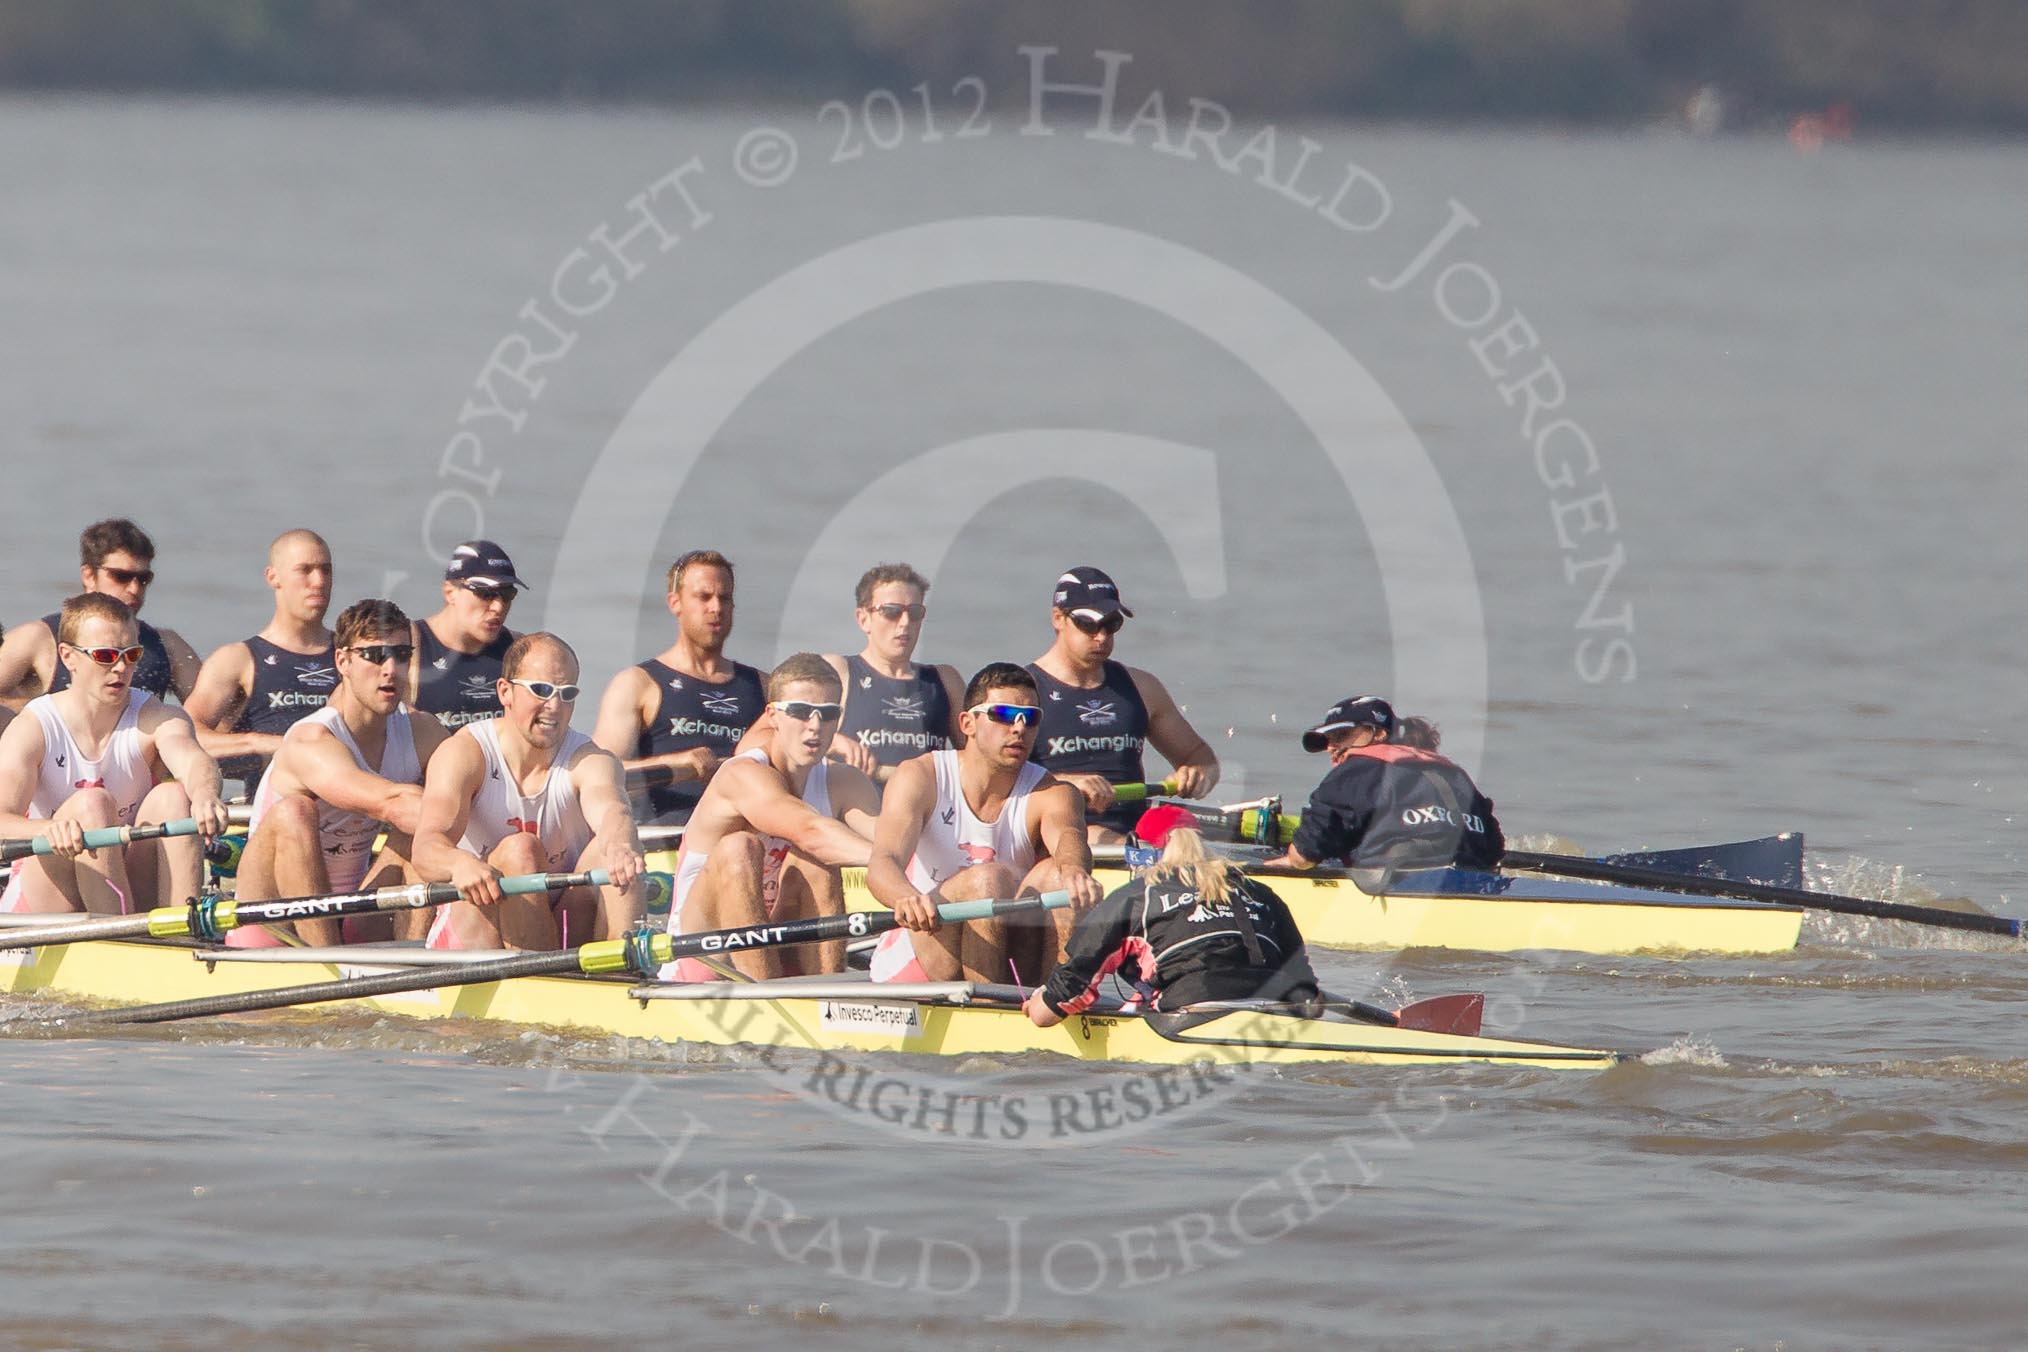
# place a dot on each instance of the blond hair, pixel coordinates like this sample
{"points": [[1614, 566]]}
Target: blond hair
{"points": [[1186, 862]]}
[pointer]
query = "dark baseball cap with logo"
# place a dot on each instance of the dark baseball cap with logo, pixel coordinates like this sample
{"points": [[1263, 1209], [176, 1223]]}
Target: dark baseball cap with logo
{"points": [[481, 563], [1361, 711], [1090, 592]]}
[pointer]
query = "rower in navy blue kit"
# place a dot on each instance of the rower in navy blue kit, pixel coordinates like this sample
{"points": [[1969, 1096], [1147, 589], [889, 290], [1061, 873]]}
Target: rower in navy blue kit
{"points": [[1189, 929], [895, 707], [250, 693], [459, 650], [677, 716], [1388, 804], [1098, 715]]}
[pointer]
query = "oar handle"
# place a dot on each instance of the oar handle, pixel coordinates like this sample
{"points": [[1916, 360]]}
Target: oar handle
{"points": [[958, 912], [101, 837], [1141, 793]]}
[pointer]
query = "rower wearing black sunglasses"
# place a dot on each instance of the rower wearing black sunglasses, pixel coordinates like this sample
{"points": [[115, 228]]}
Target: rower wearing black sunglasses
{"points": [[347, 774], [459, 650], [895, 707], [1099, 715], [117, 559]]}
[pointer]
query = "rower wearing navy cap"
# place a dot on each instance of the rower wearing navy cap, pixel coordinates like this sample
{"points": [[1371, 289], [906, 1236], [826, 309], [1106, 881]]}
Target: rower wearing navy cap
{"points": [[459, 650], [1098, 715], [1388, 804]]}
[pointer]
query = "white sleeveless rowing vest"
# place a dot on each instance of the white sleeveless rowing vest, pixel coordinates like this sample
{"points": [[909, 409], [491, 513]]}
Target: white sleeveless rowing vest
{"points": [[348, 836], [121, 769], [954, 839], [690, 863], [552, 816]]}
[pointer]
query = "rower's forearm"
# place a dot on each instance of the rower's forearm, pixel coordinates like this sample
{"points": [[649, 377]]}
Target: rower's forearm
{"points": [[886, 880], [225, 745]]}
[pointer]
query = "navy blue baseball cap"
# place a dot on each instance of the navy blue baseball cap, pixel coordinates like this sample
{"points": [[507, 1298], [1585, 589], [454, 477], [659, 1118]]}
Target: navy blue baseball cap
{"points": [[1086, 590], [481, 563], [1361, 711]]}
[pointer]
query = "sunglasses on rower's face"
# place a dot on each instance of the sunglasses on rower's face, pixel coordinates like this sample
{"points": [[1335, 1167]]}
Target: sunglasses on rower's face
{"points": [[127, 577], [549, 690], [800, 711], [373, 654], [1009, 715], [107, 657], [488, 593], [1109, 625], [894, 610]]}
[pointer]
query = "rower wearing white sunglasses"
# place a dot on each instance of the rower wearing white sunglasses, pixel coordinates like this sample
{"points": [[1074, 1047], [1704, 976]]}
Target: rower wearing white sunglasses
{"points": [[523, 793], [975, 822], [775, 826]]}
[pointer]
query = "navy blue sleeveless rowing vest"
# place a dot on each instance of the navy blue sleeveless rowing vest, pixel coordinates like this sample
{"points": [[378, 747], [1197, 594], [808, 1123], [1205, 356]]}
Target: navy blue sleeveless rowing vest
{"points": [[154, 675], [288, 686], [458, 687], [1094, 732], [693, 712], [895, 719]]}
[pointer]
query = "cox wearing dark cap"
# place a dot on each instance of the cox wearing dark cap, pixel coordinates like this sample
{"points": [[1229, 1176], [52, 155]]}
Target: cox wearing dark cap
{"points": [[1098, 715], [1388, 804], [459, 650]]}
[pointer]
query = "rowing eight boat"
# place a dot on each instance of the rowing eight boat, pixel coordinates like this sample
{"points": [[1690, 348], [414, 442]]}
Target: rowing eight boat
{"points": [[821, 1014]]}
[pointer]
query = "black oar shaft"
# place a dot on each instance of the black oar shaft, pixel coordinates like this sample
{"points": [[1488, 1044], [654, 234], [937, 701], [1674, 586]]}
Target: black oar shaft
{"points": [[1596, 870], [612, 955]]}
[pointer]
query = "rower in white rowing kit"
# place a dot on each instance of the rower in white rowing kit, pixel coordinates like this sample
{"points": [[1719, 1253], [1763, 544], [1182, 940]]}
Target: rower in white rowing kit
{"points": [[677, 715], [976, 822], [251, 692], [117, 559], [895, 707], [774, 827], [1098, 715], [97, 754], [523, 793], [459, 650], [345, 774]]}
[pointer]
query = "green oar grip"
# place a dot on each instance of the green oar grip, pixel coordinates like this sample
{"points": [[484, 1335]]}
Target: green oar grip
{"points": [[957, 912], [1141, 793], [1253, 826], [103, 837]]}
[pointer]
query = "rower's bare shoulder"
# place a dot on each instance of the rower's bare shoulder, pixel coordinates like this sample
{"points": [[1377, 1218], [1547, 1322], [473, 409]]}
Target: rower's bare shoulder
{"points": [[427, 731], [836, 661]]}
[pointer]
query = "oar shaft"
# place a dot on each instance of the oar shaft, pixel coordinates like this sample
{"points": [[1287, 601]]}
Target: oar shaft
{"points": [[100, 837], [205, 917], [611, 955], [1664, 880]]}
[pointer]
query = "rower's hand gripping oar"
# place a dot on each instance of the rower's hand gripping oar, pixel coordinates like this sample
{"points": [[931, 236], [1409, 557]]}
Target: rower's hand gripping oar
{"points": [[100, 838], [1599, 870], [642, 953], [209, 918]]}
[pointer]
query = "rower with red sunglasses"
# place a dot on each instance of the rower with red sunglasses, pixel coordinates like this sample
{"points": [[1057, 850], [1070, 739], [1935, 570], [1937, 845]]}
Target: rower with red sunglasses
{"points": [[1098, 715], [345, 775], [117, 559], [775, 827], [101, 753], [976, 822]]}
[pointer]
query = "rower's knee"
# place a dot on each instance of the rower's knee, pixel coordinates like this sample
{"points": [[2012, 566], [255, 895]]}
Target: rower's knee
{"points": [[291, 813], [519, 853], [738, 852], [165, 802], [91, 809], [981, 882]]}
